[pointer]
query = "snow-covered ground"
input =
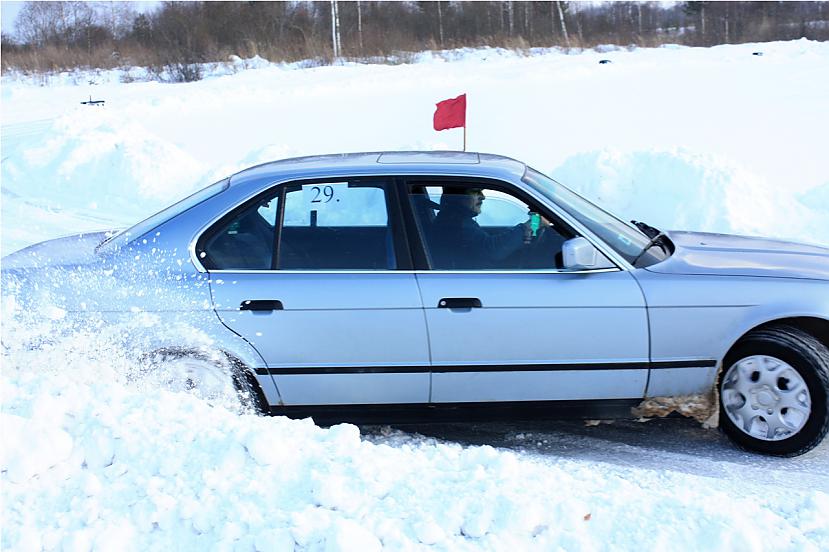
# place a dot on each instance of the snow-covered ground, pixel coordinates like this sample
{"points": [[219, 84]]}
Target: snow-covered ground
{"points": [[710, 139]]}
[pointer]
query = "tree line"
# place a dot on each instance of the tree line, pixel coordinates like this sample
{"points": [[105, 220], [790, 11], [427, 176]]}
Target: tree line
{"points": [[179, 36]]}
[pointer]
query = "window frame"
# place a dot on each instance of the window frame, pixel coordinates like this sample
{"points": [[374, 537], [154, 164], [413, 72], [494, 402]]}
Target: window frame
{"points": [[395, 222]]}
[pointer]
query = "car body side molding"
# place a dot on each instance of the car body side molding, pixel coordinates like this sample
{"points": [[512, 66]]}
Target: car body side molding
{"points": [[315, 370]]}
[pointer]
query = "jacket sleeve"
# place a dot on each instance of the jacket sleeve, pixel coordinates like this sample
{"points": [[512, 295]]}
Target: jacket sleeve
{"points": [[494, 247]]}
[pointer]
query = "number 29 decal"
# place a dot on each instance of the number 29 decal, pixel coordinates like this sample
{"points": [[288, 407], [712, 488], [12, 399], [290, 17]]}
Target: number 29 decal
{"points": [[322, 194], [325, 195]]}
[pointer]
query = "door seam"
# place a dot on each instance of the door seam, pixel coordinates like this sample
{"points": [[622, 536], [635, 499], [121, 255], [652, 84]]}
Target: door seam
{"points": [[428, 335]]}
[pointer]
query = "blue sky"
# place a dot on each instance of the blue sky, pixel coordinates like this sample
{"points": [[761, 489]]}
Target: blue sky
{"points": [[8, 11]]}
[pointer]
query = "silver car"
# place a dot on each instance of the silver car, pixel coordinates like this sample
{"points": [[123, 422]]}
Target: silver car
{"points": [[438, 285]]}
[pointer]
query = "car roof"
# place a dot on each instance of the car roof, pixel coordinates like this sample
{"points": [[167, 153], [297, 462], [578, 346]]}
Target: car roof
{"points": [[385, 162]]}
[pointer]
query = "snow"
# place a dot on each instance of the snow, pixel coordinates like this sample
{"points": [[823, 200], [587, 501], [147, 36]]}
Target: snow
{"points": [[682, 189], [704, 139], [92, 463]]}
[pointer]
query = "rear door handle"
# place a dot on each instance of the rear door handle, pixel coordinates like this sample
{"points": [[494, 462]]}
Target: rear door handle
{"points": [[459, 303], [261, 305]]}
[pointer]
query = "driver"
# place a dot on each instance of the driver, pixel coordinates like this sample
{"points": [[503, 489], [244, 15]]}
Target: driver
{"points": [[461, 242]]}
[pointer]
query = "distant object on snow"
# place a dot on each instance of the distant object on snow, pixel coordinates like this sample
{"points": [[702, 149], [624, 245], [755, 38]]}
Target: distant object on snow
{"points": [[93, 102], [604, 61], [756, 53]]}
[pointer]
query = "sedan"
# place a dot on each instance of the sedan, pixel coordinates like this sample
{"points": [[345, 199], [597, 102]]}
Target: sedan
{"points": [[412, 286]]}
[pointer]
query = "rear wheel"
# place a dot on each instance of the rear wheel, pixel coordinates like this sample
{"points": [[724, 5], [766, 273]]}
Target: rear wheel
{"points": [[773, 392], [211, 377]]}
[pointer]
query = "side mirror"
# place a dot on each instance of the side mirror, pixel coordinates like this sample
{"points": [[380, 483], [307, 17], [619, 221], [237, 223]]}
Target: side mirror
{"points": [[579, 253]]}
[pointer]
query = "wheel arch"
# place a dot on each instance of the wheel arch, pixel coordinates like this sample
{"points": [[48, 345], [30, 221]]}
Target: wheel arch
{"points": [[705, 406], [259, 399], [815, 326], [244, 376]]}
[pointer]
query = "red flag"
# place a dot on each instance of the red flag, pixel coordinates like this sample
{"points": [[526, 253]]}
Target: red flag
{"points": [[451, 113]]}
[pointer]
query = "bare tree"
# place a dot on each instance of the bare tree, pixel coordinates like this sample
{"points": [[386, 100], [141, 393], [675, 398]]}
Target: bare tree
{"points": [[563, 25], [511, 18], [59, 23], [552, 18], [440, 24], [360, 25], [335, 29], [117, 17], [184, 35], [639, 18]]}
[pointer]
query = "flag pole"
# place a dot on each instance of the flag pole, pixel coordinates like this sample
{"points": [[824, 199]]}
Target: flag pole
{"points": [[464, 137]]}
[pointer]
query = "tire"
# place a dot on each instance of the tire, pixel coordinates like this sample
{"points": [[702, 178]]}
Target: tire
{"points": [[210, 376], [773, 392]]}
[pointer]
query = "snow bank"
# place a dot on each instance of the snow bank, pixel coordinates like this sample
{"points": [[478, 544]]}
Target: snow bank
{"points": [[91, 171], [91, 462], [682, 190], [95, 155]]}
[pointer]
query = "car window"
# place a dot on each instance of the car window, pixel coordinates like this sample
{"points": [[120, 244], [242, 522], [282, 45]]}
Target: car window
{"points": [[335, 204], [325, 225], [470, 226], [245, 240], [336, 225]]}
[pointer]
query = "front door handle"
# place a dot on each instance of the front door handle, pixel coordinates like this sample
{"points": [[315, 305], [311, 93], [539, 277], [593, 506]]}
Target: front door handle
{"points": [[459, 303], [261, 305]]}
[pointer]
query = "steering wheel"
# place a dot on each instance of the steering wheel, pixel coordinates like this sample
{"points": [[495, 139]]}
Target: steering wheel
{"points": [[544, 249]]}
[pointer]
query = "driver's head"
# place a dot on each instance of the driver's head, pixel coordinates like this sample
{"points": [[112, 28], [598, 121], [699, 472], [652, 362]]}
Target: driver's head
{"points": [[469, 198]]}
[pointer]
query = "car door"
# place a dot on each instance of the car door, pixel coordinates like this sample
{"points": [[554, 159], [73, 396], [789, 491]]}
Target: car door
{"points": [[506, 322], [309, 273]]}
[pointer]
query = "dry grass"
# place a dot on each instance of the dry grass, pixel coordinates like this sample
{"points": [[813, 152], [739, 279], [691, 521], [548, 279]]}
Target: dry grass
{"points": [[394, 46]]}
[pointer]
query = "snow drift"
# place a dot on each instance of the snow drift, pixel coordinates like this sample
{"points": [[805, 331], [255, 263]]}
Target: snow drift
{"points": [[91, 462], [681, 190]]}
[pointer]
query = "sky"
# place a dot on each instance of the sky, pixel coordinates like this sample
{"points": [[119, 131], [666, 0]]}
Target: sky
{"points": [[8, 13]]}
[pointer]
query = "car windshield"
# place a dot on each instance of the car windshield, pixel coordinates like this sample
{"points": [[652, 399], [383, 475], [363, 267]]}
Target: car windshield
{"points": [[166, 214], [625, 239]]}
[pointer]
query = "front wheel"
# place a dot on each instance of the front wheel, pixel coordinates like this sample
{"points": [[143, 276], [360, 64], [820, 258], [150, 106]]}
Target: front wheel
{"points": [[773, 392]]}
